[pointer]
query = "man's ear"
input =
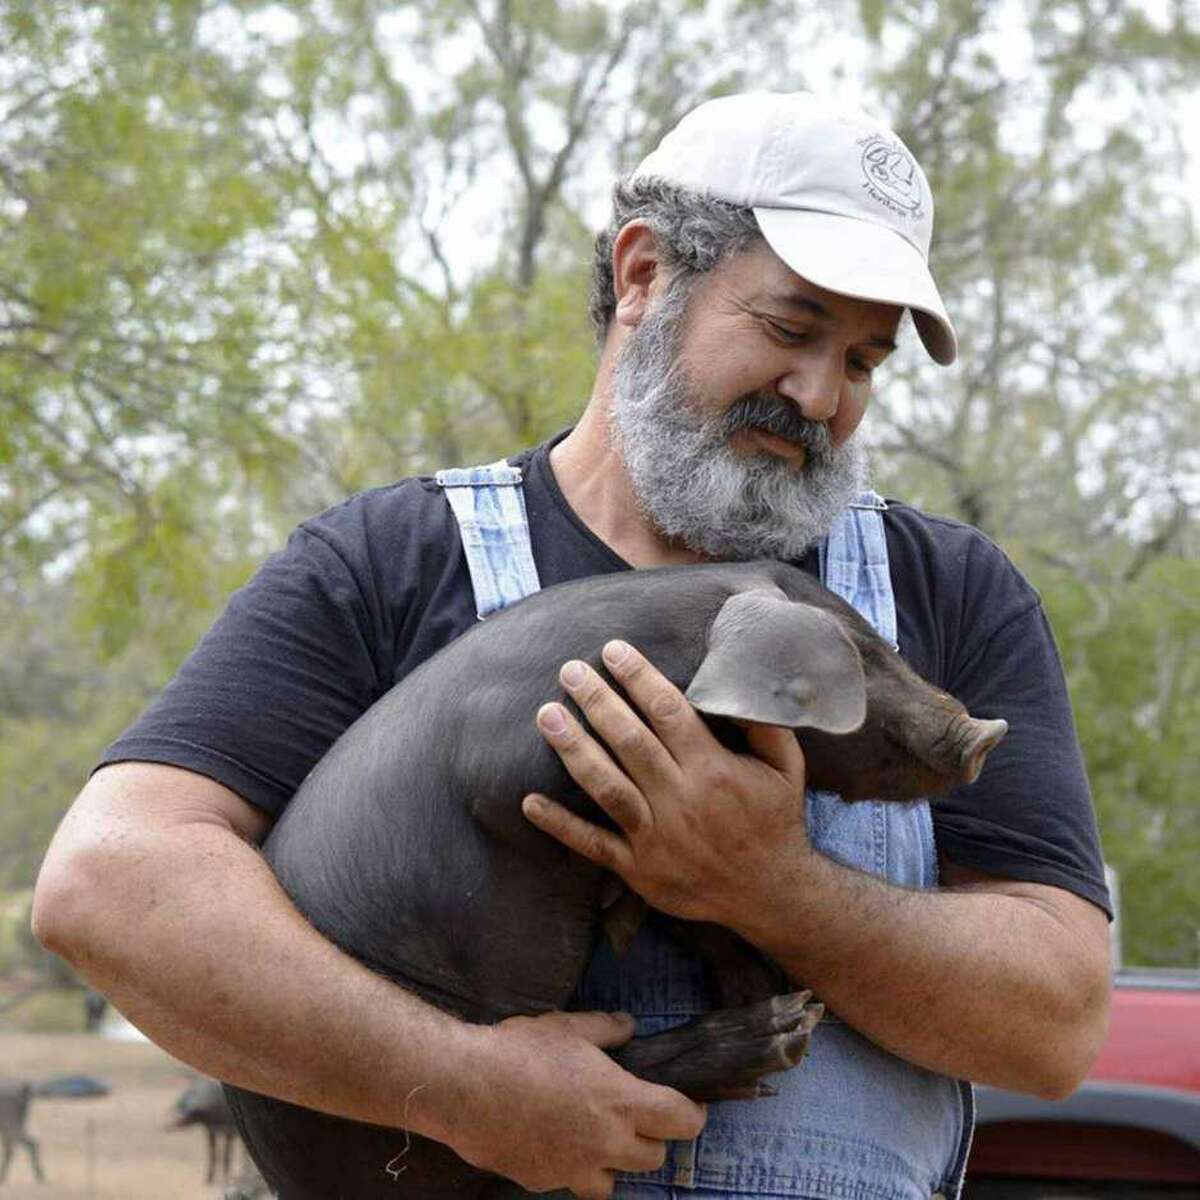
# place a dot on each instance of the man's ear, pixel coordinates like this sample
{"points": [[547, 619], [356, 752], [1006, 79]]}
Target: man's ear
{"points": [[637, 271]]}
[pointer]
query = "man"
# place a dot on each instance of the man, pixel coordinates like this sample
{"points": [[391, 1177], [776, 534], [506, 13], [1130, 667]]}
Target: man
{"points": [[753, 277]]}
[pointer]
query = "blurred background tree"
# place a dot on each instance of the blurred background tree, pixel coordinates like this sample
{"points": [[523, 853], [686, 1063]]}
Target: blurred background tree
{"points": [[259, 255]]}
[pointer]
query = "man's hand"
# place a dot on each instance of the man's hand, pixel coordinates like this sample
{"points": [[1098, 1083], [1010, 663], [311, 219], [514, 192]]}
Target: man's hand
{"points": [[1003, 982], [695, 820], [555, 1111]]}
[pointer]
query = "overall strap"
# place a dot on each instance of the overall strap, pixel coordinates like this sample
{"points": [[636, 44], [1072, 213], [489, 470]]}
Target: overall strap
{"points": [[489, 505], [854, 563]]}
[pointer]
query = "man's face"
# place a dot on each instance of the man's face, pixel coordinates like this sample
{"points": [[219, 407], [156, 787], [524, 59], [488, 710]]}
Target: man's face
{"points": [[734, 407]]}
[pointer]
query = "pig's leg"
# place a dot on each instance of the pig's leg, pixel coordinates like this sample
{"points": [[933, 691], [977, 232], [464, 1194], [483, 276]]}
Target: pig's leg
{"points": [[738, 974], [758, 1028], [723, 1055]]}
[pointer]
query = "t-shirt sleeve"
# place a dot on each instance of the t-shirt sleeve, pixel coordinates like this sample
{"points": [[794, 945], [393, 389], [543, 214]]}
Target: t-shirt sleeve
{"points": [[1029, 816], [291, 663]]}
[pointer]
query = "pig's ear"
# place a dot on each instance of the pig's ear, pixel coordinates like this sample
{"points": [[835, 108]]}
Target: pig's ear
{"points": [[780, 662]]}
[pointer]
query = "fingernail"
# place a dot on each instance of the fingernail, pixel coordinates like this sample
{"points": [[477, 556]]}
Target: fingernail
{"points": [[573, 673], [552, 718], [615, 652]]}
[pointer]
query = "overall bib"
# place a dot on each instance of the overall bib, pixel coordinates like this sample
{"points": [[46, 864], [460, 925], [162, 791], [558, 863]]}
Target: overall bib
{"points": [[852, 1122]]}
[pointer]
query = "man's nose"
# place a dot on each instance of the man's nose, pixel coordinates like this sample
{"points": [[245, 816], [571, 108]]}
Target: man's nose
{"points": [[814, 386]]}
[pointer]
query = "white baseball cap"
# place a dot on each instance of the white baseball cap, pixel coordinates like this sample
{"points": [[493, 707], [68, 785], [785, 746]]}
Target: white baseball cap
{"points": [[837, 195]]}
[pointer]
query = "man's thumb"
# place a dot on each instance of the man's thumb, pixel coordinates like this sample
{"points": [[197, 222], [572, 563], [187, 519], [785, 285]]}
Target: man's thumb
{"points": [[776, 746], [603, 1029]]}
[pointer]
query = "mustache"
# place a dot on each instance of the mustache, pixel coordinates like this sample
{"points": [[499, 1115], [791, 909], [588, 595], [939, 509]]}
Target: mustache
{"points": [[772, 415]]}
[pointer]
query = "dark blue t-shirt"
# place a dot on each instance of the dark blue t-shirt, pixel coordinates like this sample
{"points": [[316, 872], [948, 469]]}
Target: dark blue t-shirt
{"points": [[367, 591]]}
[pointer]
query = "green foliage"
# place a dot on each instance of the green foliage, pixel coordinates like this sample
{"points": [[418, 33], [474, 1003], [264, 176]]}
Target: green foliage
{"points": [[1061, 239], [872, 14], [60, 704], [132, 312], [56, 1010], [17, 947], [1132, 655]]}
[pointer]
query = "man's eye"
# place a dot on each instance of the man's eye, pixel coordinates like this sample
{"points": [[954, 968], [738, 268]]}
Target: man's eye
{"points": [[860, 366], [785, 334]]}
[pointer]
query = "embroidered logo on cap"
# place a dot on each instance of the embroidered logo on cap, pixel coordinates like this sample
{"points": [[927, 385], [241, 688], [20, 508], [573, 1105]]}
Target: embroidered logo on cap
{"points": [[891, 176]]}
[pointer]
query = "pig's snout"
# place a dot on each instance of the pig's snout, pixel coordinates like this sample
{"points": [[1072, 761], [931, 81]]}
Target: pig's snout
{"points": [[979, 740]]}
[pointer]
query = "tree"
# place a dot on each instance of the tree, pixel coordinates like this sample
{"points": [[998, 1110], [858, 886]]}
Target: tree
{"points": [[232, 293], [1071, 430], [229, 285]]}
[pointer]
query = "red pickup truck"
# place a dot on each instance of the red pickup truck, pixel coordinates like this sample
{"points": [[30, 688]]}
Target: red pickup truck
{"points": [[1131, 1131]]}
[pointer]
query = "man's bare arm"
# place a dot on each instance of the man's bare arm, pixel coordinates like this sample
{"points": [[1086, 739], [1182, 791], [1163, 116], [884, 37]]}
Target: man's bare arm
{"points": [[1001, 982], [155, 890]]}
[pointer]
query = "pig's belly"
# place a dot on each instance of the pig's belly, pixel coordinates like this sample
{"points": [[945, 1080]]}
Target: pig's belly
{"points": [[427, 897]]}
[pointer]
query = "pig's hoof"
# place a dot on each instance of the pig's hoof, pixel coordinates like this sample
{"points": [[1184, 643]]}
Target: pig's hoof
{"points": [[724, 1055]]}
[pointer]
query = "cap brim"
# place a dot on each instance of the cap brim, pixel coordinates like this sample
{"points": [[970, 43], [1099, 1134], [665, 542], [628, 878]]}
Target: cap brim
{"points": [[864, 260]]}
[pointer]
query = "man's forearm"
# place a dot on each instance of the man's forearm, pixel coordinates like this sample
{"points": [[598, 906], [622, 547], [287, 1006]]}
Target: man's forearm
{"points": [[1005, 982], [998, 982], [154, 892], [291, 1016]]}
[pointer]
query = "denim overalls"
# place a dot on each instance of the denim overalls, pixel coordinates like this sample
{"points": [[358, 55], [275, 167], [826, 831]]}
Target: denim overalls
{"points": [[852, 1122]]}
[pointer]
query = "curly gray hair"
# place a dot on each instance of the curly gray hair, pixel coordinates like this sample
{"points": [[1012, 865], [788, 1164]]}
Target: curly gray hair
{"points": [[694, 232]]}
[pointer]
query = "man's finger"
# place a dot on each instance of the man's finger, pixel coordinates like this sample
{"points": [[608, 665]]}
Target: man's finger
{"points": [[659, 1112], [604, 1029], [777, 747], [599, 1186], [592, 768], [624, 732], [665, 1114], [597, 845], [672, 718], [643, 1154]]}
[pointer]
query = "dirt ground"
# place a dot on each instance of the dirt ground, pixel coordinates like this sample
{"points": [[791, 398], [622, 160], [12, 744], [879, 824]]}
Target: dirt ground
{"points": [[110, 1148]]}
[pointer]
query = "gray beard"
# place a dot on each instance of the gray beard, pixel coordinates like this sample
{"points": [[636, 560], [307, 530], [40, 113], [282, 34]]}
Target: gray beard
{"points": [[689, 482]]}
